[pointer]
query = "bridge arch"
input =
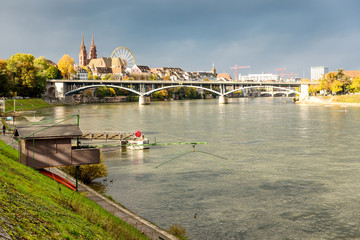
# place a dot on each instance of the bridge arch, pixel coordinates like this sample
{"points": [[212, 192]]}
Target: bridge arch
{"points": [[51, 92], [176, 86], [259, 86], [101, 85]]}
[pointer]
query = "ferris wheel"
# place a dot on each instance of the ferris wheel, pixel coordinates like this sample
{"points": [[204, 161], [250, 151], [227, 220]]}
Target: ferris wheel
{"points": [[125, 55]]}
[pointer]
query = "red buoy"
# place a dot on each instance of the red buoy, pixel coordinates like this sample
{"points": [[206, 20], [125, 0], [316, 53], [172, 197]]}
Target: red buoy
{"points": [[138, 134]]}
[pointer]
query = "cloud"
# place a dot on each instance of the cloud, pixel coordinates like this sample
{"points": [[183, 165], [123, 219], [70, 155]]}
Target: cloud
{"points": [[191, 34]]}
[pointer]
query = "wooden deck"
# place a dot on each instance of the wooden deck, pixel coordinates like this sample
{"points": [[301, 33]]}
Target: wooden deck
{"points": [[106, 135]]}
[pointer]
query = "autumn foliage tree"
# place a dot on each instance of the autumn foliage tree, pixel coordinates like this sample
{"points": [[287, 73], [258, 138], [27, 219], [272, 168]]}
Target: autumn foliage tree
{"points": [[27, 75], [334, 82], [66, 66], [355, 85]]}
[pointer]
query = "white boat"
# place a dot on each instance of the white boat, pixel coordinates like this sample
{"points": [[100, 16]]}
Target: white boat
{"points": [[138, 143]]}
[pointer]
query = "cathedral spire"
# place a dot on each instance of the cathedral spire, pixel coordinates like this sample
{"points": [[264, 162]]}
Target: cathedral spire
{"points": [[93, 53], [82, 53], [82, 43]]}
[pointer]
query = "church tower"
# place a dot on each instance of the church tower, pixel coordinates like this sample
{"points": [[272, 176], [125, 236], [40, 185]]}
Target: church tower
{"points": [[93, 53], [82, 54], [213, 69]]}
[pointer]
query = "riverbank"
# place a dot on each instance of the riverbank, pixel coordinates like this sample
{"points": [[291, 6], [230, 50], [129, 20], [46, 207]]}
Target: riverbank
{"points": [[341, 100], [34, 206]]}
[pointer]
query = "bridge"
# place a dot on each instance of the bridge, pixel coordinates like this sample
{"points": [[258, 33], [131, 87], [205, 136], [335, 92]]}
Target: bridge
{"points": [[144, 88]]}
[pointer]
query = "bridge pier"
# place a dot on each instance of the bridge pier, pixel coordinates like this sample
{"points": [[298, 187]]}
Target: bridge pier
{"points": [[144, 100], [304, 94], [223, 99]]}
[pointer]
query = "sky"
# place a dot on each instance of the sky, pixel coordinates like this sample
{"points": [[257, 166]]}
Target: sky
{"points": [[191, 34]]}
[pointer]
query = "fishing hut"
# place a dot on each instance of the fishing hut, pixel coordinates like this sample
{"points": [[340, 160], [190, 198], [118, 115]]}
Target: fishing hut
{"points": [[53, 146]]}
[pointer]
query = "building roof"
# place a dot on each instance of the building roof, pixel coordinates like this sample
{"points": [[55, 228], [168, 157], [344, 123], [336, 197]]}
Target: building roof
{"points": [[144, 68], [350, 74], [44, 132], [103, 70], [223, 76], [106, 62]]}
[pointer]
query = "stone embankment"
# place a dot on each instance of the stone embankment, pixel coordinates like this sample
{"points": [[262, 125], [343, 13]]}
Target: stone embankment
{"points": [[147, 228]]}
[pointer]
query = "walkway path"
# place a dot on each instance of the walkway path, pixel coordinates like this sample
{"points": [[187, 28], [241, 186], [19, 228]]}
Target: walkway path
{"points": [[139, 223]]}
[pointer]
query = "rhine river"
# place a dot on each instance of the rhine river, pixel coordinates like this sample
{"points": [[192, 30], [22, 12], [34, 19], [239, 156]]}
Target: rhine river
{"points": [[287, 171]]}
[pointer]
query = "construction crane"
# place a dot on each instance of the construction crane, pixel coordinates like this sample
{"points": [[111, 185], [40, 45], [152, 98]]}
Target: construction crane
{"points": [[236, 68], [282, 70]]}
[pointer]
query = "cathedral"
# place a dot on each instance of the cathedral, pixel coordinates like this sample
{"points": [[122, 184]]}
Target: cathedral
{"points": [[100, 66], [83, 58]]}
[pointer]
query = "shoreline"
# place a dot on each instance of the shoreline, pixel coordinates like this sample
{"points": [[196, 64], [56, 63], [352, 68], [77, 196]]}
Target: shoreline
{"points": [[322, 101]]}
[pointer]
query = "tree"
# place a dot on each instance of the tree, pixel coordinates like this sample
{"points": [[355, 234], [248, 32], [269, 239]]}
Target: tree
{"points": [[107, 77], [42, 74], [161, 95], [53, 72], [166, 78], [337, 86], [153, 76], [66, 66], [23, 74], [112, 92], [87, 173], [355, 85], [103, 91], [4, 79]]}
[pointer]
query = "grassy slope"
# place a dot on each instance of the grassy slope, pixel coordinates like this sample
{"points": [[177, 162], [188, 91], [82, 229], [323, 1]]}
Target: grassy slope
{"points": [[25, 104], [354, 98], [34, 206]]}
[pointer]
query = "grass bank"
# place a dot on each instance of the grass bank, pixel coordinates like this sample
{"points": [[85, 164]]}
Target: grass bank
{"points": [[25, 104], [34, 206], [354, 98]]}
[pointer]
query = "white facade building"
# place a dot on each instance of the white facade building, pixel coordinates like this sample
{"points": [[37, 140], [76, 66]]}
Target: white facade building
{"points": [[318, 72], [263, 77]]}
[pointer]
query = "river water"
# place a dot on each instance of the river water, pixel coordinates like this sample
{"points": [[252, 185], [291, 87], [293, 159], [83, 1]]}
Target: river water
{"points": [[271, 169]]}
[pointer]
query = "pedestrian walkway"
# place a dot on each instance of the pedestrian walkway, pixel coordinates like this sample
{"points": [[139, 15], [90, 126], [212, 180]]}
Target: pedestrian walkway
{"points": [[8, 140]]}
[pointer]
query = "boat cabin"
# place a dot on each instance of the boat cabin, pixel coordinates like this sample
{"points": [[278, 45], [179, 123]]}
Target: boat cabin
{"points": [[51, 146]]}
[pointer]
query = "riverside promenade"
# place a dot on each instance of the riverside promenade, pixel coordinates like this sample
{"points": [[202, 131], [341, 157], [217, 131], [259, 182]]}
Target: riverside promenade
{"points": [[144, 226]]}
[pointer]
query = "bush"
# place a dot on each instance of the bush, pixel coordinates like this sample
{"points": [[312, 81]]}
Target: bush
{"points": [[87, 173], [178, 231]]}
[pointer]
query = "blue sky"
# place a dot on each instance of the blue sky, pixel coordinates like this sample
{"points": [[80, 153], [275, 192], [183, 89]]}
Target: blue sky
{"points": [[191, 34]]}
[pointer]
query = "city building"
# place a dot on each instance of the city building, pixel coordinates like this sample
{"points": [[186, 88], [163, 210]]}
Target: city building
{"points": [[263, 77], [223, 77], [269, 77], [141, 70], [318, 72]]}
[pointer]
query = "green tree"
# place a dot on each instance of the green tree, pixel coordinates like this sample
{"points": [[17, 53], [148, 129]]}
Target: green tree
{"points": [[102, 92], [66, 66], [161, 95], [23, 74], [4, 79], [53, 72], [153, 76], [87, 173], [107, 77]]}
